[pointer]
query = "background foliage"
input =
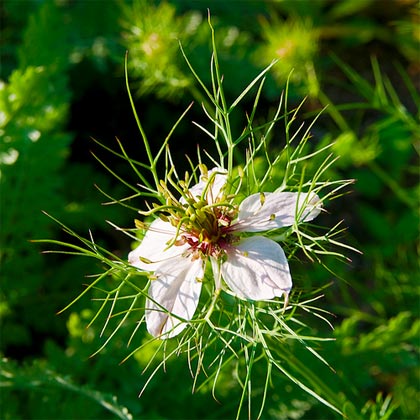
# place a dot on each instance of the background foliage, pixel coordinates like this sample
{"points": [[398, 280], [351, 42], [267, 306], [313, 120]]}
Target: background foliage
{"points": [[62, 82]]}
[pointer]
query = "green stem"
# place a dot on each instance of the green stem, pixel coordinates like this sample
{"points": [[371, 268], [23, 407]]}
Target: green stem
{"points": [[140, 127]]}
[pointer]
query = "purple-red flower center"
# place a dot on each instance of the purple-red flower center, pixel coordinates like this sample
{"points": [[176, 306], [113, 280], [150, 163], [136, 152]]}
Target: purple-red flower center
{"points": [[208, 235]]}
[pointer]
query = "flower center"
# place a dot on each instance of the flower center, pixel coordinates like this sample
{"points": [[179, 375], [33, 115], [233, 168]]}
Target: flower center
{"points": [[205, 228], [202, 217]]}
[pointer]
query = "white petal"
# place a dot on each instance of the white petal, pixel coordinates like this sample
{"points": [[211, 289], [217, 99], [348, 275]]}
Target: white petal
{"points": [[177, 289], [260, 212], [257, 269], [154, 247], [215, 189]]}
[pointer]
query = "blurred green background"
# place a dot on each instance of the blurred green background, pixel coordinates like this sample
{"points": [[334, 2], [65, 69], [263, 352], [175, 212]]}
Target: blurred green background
{"points": [[62, 82]]}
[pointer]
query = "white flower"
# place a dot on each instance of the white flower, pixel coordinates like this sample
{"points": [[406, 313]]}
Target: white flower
{"points": [[176, 251]]}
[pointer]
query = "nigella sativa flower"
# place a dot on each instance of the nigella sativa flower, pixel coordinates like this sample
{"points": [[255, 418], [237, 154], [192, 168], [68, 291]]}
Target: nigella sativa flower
{"points": [[204, 225]]}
